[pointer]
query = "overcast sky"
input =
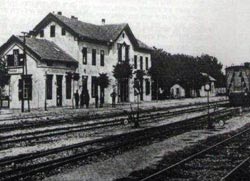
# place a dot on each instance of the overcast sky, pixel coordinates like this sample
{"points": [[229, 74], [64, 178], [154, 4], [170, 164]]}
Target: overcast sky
{"points": [[217, 27]]}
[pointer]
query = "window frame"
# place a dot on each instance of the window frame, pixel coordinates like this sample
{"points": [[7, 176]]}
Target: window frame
{"points": [[52, 31], [63, 32], [68, 86], [141, 62], [49, 86], [102, 58], [84, 55], [135, 61], [93, 56]]}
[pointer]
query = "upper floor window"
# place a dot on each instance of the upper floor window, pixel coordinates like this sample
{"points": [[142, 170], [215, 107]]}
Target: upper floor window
{"points": [[63, 32], [84, 55], [93, 56], [119, 46], [52, 31], [146, 63], [102, 57], [135, 61], [15, 59], [42, 33], [127, 53], [141, 62]]}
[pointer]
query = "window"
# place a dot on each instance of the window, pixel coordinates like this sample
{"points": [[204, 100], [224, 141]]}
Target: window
{"points": [[119, 46], [10, 60], [68, 87], [141, 62], [94, 86], [135, 61], [63, 32], [52, 31], [49, 83], [127, 53], [93, 56], [42, 33], [84, 55], [147, 87], [25, 88], [146, 63], [16, 57], [102, 57]]}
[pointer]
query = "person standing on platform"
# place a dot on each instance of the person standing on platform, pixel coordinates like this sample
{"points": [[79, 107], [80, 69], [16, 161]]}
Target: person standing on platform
{"points": [[96, 100], [76, 99], [113, 95], [82, 99], [87, 98]]}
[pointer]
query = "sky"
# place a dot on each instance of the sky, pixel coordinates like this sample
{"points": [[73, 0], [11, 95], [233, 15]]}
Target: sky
{"points": [[220, 28]]}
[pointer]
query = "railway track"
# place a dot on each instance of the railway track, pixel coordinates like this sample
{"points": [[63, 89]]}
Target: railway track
{"points": [[31, 136], [26, 122], [226, 160], [26, 165]]}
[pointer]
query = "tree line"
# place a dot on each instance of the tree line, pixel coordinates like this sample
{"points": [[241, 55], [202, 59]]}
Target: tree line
{"points": [[168, 69]]}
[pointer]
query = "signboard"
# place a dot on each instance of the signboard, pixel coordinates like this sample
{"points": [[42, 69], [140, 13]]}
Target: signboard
{"points": [[15, 71]]}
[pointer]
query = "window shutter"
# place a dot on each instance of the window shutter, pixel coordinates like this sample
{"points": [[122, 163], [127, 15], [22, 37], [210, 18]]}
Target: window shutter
{"points": [[20, 89]]}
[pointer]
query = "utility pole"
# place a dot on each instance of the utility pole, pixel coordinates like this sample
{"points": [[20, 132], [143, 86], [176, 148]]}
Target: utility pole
{"points": [[24, 70], [45, 100]]}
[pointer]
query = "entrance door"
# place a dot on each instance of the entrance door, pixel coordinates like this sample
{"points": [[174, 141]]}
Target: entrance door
{"points": [[123, 90], [59, 90], [85, 83]]}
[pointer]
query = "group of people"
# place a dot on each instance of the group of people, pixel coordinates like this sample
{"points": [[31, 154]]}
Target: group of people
{"points": [[84, 98]]}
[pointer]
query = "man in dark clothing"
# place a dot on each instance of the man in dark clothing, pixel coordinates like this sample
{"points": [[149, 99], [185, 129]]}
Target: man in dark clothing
{"points": [[87, 98], [76, 99], [96, 100], [102, 99], [82, 99], [113, 95]]}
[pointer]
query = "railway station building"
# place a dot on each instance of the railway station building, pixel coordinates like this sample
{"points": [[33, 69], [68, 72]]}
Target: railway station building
{"points": [[65, 55]]}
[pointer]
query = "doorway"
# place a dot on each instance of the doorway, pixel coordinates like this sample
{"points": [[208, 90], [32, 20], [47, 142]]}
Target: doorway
{"points": [[124, 90], [59, 90]]}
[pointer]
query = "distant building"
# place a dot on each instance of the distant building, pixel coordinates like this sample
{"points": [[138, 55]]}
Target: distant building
{"points": [[65, 55], [177, 91], [202, 92]]}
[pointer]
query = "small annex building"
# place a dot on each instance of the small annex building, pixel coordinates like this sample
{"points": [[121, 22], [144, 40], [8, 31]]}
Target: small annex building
{"points": [[177, 91]]}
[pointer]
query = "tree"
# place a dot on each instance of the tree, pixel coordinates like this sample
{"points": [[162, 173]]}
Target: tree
{"points": [[103, 82], [123, 70], [4, 78]]}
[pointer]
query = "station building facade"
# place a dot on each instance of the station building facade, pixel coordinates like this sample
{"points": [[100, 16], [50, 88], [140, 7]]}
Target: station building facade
{"points": [[64, 55]]}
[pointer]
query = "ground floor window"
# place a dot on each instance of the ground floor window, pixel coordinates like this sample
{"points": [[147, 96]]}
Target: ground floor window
{"points": [[94, 86], [25, 88], [147, 87], [68, 87], [49, 85]]}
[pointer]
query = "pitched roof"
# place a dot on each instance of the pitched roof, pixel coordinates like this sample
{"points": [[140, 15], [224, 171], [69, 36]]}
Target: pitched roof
{"points": [[210, 77], [42, 49], [88, 31]]}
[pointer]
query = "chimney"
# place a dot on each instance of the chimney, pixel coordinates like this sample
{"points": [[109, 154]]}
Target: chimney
{"points": [[73, 17], [59, 12], [103, 21]]}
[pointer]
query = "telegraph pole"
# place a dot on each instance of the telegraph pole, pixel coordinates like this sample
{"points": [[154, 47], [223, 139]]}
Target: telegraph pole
{"points": [[45, 100], [24, 70]]}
